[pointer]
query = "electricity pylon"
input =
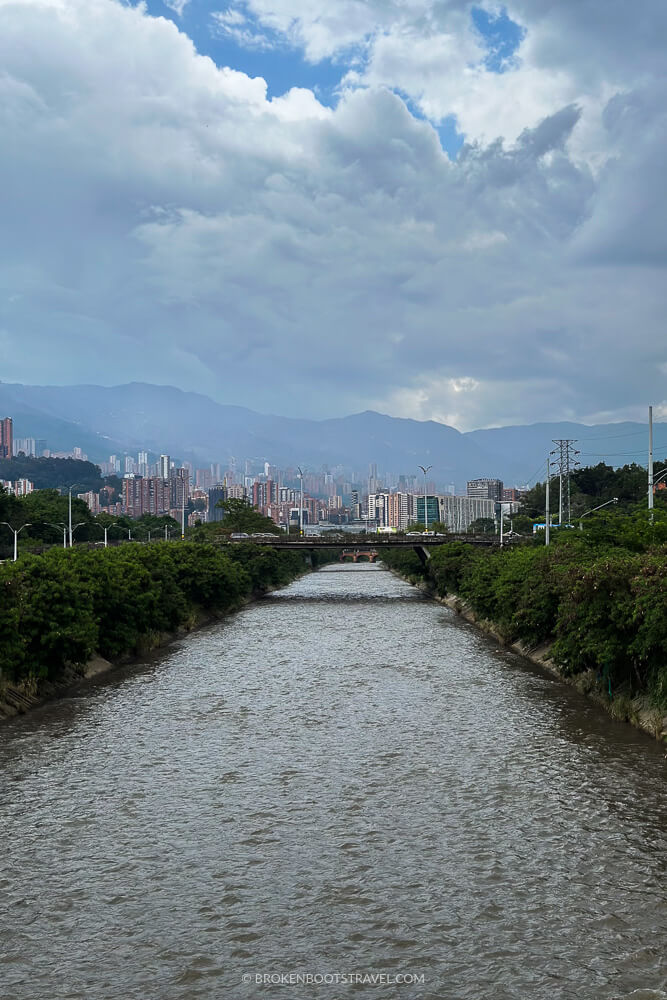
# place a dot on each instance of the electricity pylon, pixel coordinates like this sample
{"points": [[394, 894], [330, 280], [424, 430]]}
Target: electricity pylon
{"points": [[566, 462]]}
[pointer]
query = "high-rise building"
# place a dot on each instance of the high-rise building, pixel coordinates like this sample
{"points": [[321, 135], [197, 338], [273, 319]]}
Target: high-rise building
{"points": [[132, 498], [179, 483], [92, 499], [145, 496], [236, 492], [25, 445], [432, 509], [400, 510], [485, 489], [164, 466], [264, 494], [215, 495], [6, 438], [378, 508]]}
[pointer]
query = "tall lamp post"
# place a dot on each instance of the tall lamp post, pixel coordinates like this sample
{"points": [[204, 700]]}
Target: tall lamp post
{"points": [[69, 510], [16, 532], [72, 529], [301, 502], [425, 469], [593, 509], [105, 529], [60, 527]]}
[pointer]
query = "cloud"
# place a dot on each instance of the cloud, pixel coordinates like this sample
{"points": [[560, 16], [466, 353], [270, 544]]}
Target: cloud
{"points": [[164, 220], [235, 25], [178, 6]]}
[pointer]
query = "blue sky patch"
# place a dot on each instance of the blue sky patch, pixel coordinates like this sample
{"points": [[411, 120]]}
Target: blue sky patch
{"points": [[271, 57], [502, 37]]}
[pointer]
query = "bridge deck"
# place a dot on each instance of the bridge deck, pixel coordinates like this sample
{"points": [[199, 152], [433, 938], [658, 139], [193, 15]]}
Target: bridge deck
{"points": [[375, 542]]}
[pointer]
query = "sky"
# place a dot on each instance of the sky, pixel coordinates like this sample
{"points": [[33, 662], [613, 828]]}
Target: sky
{"points": [[431, 208]]}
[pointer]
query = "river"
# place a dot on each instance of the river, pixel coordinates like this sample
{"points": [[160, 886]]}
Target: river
{"points": [[342, 780]]}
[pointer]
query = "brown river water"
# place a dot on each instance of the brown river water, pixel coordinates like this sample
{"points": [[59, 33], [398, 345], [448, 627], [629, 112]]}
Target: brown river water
{"points": [[343, 790]]}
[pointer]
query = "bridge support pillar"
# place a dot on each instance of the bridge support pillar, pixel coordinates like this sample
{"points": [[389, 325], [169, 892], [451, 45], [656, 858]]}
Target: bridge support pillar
{"points": [[423, 553]]}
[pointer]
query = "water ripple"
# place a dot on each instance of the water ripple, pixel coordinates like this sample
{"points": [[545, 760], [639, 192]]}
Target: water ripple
{"points": [[341, 778]]}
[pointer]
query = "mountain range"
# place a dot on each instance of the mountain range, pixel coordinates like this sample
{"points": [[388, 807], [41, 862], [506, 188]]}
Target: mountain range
{"points": [[162, 419]]}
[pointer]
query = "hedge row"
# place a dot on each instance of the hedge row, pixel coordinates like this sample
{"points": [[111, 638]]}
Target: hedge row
{"points": [[61, 607], [602, 609]]}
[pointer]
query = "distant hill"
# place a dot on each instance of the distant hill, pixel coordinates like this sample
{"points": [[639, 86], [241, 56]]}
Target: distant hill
{"points": [[187, 425]]}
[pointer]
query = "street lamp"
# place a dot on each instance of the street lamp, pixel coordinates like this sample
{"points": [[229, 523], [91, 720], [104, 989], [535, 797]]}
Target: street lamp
{"points": [[16, 532], [105, 529], [69, 510], [60, 527], [300, 503], [123, 528], [425, 469], [593, 509], [72, 529]]}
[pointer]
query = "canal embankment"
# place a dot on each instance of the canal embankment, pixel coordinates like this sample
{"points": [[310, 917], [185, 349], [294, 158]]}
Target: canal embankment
{"points": [[594, 617]]}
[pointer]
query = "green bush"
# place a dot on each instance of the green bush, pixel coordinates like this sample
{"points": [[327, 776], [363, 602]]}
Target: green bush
{"points": [[61, 607]]}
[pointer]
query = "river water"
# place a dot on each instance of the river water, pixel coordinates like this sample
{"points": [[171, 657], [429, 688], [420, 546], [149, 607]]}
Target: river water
{"points": [[342, 780]]}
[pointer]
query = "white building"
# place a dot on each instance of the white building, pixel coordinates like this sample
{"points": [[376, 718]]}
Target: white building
{"points": [[25, 445], [458, 513]]}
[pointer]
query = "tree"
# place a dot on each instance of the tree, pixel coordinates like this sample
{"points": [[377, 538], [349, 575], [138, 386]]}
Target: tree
{"points": [[522, 523], [241, 516], [482, 526]]}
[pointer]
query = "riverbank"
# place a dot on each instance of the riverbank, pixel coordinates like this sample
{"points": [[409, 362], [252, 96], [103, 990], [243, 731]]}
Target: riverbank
{"points": [[33, 693], [72, 615], [637, 711]]}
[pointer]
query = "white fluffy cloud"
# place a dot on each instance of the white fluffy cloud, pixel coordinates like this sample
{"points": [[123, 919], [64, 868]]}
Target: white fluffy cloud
{"points": [[164, 220]]}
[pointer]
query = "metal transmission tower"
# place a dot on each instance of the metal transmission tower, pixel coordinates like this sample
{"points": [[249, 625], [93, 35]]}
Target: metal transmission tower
{"points": [[566, 463]]}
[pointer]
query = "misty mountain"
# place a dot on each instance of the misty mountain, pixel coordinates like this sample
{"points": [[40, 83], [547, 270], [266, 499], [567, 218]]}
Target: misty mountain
{"points": [[190, 426]]}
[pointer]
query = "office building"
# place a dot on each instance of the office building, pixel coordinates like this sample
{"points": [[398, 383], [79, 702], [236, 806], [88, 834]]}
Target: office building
{"points": [[216, 495], [485, 489]]}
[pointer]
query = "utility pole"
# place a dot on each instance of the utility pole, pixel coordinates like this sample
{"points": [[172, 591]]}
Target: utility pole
{"points": [[566, 464], [547, 519], [650, 462]]}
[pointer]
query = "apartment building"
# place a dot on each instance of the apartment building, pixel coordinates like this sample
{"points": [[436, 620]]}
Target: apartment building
{"points": [[6, 437]]}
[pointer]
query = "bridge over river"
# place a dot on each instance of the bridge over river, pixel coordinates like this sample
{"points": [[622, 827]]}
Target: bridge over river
{"points": [[421, 544]]}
